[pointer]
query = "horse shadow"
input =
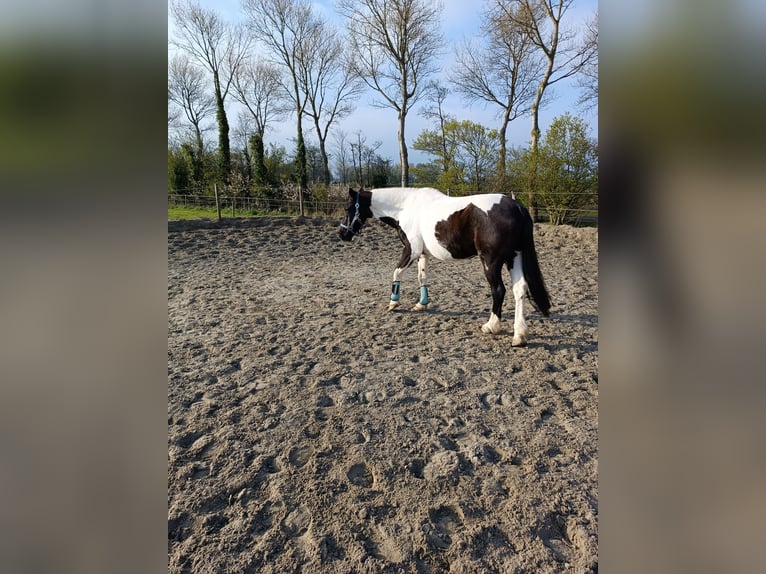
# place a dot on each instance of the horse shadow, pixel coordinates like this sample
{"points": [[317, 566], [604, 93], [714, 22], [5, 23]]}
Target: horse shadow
{"points": [[554, 342], [462, 314], [550, 341], [585, 319]]}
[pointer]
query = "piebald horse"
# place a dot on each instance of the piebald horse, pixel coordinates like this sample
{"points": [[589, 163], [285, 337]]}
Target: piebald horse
{"points": [[430, 224]]}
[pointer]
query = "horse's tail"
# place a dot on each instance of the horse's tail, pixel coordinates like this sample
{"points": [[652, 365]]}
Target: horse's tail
{"points": [[530, 267]]}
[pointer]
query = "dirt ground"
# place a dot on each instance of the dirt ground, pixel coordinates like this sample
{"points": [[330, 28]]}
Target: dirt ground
{"points": [[309, 430]]}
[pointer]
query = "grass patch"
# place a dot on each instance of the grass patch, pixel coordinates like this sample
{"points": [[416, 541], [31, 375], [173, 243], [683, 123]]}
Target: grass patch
{"points": [[180, 212], [195, 212]]}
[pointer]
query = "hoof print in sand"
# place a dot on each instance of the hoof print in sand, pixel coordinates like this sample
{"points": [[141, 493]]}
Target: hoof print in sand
{"points": [[263, 520], [299, 456], [416, 468], [443, 465], [297, 522], [361, 475], [442, 526]]}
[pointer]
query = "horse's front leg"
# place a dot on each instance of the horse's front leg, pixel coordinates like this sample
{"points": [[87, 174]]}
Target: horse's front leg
{"points": [[393, 303], [422, 303], [404, 261]]}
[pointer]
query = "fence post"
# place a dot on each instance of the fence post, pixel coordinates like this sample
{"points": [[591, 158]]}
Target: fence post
{"points": [[217, 203]]}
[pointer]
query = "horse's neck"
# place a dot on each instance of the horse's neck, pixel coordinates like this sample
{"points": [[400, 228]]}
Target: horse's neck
{"points": [[393, 201], [387, 202]]}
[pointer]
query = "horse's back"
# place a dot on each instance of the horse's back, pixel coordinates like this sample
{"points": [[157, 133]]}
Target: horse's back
{"points": [[488, 224]]}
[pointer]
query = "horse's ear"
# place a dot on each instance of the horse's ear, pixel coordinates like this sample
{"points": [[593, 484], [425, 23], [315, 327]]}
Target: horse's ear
{"points": [[351, 191]]}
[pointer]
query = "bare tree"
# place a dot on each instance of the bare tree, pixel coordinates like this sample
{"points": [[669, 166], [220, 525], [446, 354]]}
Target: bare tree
{"points": [[502, 72], [563, 57], [394, 45], [244, 127], [186, 88], [589, 74], [331, 85], [341, 155], [241, 135], [173, 112], [357, 149], [258, 87], [285, 27], [362, 157], [220, 48], [436, 96], [369, 153]]}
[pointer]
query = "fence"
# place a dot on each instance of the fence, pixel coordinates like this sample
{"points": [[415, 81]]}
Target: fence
{"points": [[576, 217], [244, 206]]}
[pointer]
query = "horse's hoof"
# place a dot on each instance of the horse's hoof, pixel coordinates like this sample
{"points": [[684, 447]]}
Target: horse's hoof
{"points": [[492, 326], [393, 305], [420, 307], [519, 342]]}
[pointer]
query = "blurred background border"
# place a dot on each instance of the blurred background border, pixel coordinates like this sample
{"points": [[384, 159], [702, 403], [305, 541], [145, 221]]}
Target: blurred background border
{"points": [[83, 286]]}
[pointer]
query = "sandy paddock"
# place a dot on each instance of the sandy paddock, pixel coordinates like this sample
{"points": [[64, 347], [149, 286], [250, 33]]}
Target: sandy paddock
{"points": [[309, 430]]}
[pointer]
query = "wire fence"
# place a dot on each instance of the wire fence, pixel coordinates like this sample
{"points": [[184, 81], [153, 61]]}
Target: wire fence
{"points": [[243, 206], [232, 206]]}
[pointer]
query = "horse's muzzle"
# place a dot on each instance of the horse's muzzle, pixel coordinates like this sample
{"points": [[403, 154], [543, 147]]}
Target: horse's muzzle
{"points": [[345, 234]]}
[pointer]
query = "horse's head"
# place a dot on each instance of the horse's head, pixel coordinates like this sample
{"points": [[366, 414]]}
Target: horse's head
{"points": [[357, 213]]}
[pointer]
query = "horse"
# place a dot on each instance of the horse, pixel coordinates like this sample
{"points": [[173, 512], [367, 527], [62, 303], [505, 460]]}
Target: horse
{"points": [[430, 224]]}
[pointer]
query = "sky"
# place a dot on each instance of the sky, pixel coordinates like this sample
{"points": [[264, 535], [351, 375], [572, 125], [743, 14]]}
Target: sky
{"points": [[461, 20]]}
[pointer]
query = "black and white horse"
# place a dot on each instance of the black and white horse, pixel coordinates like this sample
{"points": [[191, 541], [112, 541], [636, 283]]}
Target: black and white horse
{"points": [[430, 224]]}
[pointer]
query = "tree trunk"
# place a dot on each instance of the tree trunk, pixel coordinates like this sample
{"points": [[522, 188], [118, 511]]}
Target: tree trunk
{"points": [[300, 164], [535, 152], [403, 150], [325, 162], [359, 149], [198, 164], [247, 185], [260, 175], [224, 154], [445, 152], [502, 184], [551, 54]]}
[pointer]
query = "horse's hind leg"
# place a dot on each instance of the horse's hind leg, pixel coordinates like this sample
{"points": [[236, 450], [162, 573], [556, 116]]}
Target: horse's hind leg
{"points": [[519, 294], [493, 273], [422, 303]]}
